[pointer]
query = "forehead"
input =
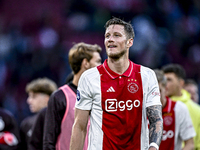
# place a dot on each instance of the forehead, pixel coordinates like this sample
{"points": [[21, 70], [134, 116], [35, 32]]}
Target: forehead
{"points": [[115, 28], [171, 75], [35, 93]]}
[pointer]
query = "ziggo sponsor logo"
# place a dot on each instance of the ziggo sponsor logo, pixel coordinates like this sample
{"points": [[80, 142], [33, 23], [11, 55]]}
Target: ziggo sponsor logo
{"points": [[167, 134], [114, 105]]}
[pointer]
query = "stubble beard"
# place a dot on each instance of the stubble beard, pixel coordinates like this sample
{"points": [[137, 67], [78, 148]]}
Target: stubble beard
{"points": [[117, 56]]}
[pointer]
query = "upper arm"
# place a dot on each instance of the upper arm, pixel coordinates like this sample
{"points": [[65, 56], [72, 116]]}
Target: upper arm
{"points": [[154, 113], [81, 119], [150, 87], [189, 144], [79, 129], [85, 93]]}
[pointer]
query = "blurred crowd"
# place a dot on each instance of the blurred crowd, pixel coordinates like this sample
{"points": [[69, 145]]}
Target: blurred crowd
{"points": [[35, 37]]}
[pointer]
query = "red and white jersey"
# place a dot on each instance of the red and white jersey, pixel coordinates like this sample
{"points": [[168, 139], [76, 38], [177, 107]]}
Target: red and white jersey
{"points": [[177, 125], [118, 106]]}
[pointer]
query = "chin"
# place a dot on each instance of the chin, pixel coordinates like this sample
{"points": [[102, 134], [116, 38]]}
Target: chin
{"points": [[32, 110]]}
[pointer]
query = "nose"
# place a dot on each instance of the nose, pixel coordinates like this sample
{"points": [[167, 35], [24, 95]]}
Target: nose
{"points": [[110, 39], [28, 100]]}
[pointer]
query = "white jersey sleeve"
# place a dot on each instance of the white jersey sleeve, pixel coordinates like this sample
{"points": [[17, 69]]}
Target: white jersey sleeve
{"points": [[85, 90], [151, 90], [183, 122]]}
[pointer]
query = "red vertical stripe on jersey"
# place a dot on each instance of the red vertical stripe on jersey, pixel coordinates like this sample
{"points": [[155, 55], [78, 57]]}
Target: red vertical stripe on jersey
{"points": [[168, 115], [122, 99]]}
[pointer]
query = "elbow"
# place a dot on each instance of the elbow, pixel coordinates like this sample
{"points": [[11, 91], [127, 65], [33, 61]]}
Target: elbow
{"points": [[189, 144], [192, 146], [189, 147]]}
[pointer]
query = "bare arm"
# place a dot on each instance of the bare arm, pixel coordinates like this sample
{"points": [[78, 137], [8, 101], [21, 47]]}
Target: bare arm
{"points": [[154, 114], [79, 129], [189, 144]]}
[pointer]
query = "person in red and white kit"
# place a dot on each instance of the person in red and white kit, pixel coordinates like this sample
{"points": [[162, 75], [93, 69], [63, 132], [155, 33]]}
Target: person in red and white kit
{"points": [[118, 96], [177, 124]]}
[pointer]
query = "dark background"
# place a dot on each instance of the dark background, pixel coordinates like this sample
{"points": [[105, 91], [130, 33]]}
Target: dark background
{"points": [[35, 37]]}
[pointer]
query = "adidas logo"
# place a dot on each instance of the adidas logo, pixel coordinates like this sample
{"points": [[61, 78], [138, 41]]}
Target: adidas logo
{"points": [[111, 89]]}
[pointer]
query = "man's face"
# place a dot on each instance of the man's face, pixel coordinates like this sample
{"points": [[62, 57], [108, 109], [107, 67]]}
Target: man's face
{"points": [[173, 86], [193, 90], [96, 60], [37, 101], [116, 42]]}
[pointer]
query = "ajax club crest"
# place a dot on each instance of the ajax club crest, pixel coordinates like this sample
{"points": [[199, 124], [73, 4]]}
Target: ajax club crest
{"points": [[132, 87]]}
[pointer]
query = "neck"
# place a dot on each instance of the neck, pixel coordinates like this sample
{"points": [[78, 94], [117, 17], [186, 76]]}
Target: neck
{"points": [[76, 78], [119, 66], [164, 101], [178, 93]]}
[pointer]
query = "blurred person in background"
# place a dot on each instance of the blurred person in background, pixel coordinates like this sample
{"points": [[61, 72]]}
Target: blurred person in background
{"points": [[60, 111], [177, 124], [36, 139], [192, 87], [175, 75], [39, 91], [9, 131]]}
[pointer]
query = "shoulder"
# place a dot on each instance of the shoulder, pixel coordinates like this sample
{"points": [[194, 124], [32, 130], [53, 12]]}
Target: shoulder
{"points": [[6, 113], [195, 105], [90, 74], [57, 102], [180, 107], [148, 76], [146, 72], [28, 121], [194, 108], [57, 93], [7, 120], [42, 112], [56, 96]]}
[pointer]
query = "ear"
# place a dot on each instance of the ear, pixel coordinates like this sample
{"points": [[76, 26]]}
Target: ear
{"points": [[46, 99], [182, 82], [85, 64], [129, 42]]}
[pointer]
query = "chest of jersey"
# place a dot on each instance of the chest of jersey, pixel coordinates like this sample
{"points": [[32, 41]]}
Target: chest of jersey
{"points": [[168, 127], [122, 94], [121, 101]]}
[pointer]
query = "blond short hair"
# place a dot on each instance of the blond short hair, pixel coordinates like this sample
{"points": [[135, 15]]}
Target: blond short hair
{"points": [[79, 52], [41, 85]]}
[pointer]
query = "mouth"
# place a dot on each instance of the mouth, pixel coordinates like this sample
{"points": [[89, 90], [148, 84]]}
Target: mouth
{"points": [[31, 107], [112, 46]]}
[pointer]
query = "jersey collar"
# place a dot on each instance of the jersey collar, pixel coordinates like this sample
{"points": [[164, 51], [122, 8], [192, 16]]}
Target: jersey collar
{"points": [[113, 74]]}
